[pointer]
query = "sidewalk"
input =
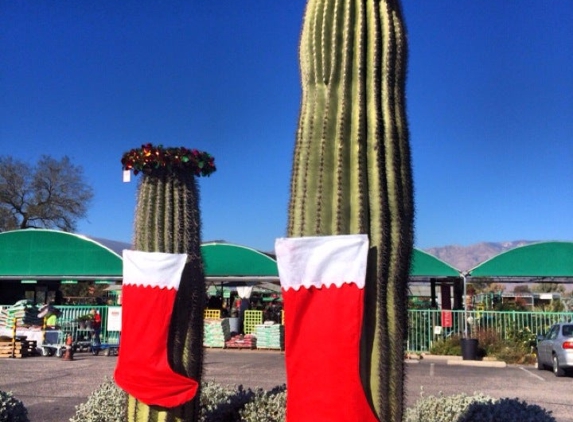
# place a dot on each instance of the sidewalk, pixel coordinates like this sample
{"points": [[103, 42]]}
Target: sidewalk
{"points": [[457, 360]]}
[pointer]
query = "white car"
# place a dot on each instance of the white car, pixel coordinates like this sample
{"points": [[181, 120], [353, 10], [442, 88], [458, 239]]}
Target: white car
{"points": [[555, 349]]}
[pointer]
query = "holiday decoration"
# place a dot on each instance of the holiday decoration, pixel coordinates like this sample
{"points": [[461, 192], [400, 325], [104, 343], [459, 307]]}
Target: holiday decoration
{"points": [[352, 175], [323, 281], [153, 159], [167, 224]]}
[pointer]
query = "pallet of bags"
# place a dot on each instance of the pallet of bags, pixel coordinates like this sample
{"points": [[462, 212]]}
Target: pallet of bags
{"points": [[216, 332], [24, 312], [270, 336], [240, 341]]}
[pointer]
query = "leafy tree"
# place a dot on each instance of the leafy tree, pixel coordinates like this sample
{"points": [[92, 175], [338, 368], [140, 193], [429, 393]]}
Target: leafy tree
{"points": [[88, 291], [521, 288], [548, 288], [52, 194], [487, 285]]}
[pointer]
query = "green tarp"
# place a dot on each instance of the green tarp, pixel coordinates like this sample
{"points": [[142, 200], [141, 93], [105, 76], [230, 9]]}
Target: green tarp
{"points": [[545, 259], [41, 252], [226, 259], [426, 265]]}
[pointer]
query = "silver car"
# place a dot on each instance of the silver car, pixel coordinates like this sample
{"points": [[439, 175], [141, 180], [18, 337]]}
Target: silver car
{"points": [[555, 349]]}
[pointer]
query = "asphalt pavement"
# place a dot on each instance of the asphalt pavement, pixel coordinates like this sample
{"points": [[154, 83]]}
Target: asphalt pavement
{"points": [[51, 388]]}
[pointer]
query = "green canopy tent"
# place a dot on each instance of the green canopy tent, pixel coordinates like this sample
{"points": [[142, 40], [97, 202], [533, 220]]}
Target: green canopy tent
{"points": [[41, 259], [426, 268], [537, 262], [227, 262], [235, 265], [425, 265], [549, 262], [231, 265]]}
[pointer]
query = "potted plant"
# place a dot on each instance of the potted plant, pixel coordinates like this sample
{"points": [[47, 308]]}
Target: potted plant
{"points": [[85, 321]]}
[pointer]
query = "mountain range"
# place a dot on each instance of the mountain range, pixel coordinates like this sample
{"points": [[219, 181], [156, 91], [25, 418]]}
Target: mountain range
{"points": [[465, 258]]}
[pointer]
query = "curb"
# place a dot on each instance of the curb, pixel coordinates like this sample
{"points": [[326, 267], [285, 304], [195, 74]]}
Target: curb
{"points": [[481, 363], [458, 360]]}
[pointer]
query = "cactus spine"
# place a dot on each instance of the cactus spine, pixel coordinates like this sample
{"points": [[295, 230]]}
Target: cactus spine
{"points": [[167, 219], [352, 172]]}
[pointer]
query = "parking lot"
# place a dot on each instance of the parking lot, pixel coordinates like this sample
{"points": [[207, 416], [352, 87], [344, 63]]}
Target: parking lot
{"points": [[51, 387]]}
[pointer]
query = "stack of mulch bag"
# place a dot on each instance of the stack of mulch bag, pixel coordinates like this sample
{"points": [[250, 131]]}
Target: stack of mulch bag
{"points": [[24, 312], [216, 332], [270, 336], [240, 341]]}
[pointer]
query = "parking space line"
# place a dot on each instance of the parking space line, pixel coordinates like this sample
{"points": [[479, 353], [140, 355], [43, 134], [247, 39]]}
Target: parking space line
{"points": [[531, 373]]}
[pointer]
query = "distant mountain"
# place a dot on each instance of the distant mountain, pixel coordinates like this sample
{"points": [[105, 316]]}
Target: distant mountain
{"points": [[115, 245], [465, 258]]}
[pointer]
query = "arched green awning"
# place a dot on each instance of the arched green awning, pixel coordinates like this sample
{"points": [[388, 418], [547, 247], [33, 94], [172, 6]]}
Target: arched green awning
{"points": [[42, 253], [51, 253], [230, 260], [225, 259], [426, 265], [545, 259]]}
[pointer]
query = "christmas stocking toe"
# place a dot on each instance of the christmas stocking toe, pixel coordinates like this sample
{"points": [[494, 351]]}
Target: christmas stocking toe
{"points": [[150, 284]]}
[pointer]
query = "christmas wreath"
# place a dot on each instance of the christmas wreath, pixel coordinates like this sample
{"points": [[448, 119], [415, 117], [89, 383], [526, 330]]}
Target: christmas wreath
{"points": [[150, 159]]}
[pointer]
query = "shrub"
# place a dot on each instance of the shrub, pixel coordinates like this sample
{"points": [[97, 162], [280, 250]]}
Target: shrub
{"points": [[450, 346], [506, 410], [225, 404], [266, 406], [217, 404], [442, 408], [476, 408], [515, 349], [12, 409], [222, 404], [108, 403]]}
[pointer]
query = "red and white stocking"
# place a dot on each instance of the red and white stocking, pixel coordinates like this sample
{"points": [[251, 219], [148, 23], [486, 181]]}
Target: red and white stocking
{"points": [[322, 279], [150, 284]]}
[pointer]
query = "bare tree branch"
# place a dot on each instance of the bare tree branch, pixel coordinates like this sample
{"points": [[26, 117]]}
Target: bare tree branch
{"points": [[52, 194]]}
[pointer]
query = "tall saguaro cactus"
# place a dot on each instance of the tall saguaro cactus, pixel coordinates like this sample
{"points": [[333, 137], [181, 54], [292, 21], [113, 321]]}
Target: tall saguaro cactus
{"points": [[352, 171], [168, 220]]}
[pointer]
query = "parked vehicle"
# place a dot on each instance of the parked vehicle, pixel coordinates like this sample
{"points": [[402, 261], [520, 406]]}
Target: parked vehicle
{"points": [[555, 349]]}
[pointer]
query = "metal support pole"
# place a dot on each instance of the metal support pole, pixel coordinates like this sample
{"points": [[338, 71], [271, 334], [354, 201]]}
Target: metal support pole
{"points": [[464, 278]]}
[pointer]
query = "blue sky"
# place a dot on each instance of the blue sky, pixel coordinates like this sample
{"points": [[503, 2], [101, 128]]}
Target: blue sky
{"points": [[489, 99]]}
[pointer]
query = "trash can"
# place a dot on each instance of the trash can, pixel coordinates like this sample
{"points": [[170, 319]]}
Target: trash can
{"points": [[234, 325], [469, 348]]}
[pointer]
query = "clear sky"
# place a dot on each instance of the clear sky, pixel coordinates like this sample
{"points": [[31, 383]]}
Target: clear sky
{"points": [[489, 99]]}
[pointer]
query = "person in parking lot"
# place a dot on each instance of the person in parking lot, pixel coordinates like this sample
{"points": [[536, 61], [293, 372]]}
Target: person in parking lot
{"points": [[96, 324]]}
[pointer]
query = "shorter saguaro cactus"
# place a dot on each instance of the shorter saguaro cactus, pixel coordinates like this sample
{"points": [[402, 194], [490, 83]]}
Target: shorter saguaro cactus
{"points": [[168, 220]]}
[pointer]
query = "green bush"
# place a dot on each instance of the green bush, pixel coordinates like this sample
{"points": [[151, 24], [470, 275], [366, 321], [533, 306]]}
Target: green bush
{"points": [[515, 349], [12, 409], [108, 403], [222, 404], [442, 408], [266, 406], [506, 410], [476, 408], [218, 404], [450, 346], [237, 404]]}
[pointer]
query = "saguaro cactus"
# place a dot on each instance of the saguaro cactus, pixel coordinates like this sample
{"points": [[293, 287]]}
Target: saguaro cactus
{"points": [[352, 171], [168, 220]]}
